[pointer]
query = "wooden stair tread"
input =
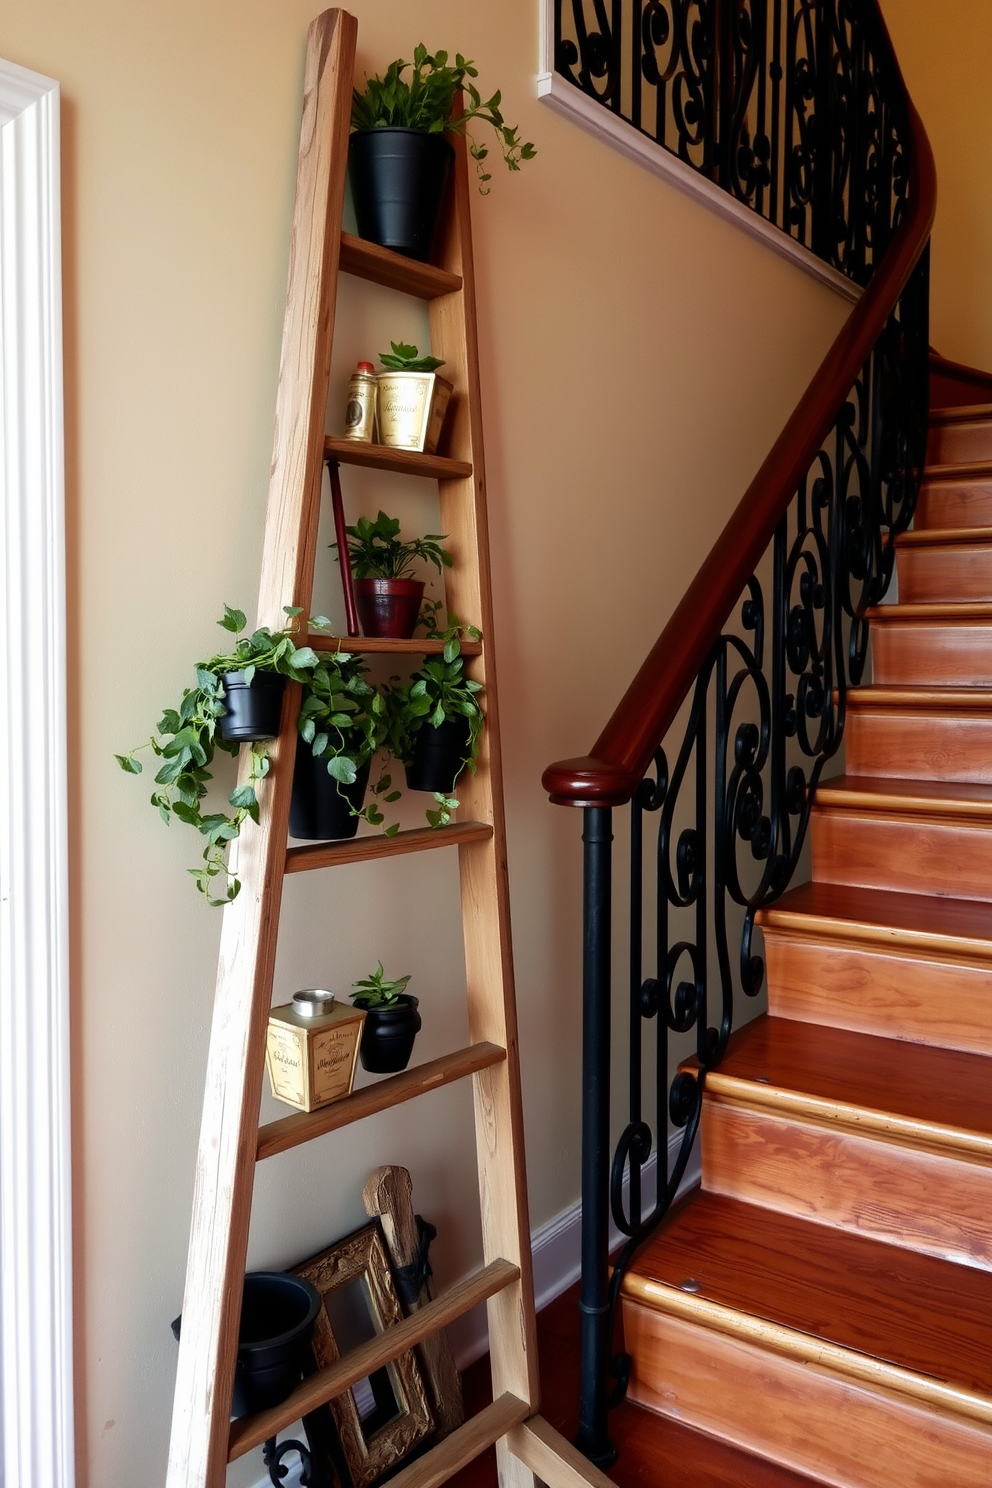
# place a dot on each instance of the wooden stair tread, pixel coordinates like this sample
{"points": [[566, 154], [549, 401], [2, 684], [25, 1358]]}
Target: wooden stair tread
{"points": [[396, 461], [940, 537], [681, 1457], [911, 1313], [938, 610], [978, 413], [922, 921], [950, 798], [960, 471], [886, 1086], [921, 699]]}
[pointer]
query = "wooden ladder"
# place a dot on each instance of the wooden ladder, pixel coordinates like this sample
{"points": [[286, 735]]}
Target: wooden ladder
{"points": [[204, 1439]]}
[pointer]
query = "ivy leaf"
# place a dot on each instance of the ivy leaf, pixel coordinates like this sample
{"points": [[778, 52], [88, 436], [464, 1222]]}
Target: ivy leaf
{"points": [[234, 620], [128, 764]]}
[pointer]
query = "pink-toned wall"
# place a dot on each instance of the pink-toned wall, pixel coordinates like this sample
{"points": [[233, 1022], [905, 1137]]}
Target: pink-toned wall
{"points": [[638, 358]]}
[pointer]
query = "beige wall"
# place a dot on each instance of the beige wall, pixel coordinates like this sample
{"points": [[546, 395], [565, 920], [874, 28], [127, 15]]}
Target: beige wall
{"points": [[638, 357], [945, 52]]}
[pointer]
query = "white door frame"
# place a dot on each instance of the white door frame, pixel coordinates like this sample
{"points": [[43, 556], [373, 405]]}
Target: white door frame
{"points": [[36, 1396]]}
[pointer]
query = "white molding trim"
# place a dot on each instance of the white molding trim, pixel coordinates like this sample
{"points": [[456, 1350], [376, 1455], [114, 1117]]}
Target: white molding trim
{"points": [[616, 132], [556, 1253], [35, 1216]]}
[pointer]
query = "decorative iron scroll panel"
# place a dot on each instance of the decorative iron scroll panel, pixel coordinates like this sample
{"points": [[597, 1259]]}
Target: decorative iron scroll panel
{"points": [[782, 103]]}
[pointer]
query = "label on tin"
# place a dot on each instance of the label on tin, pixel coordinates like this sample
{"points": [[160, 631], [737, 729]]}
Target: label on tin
{"points": [[359, 414]]}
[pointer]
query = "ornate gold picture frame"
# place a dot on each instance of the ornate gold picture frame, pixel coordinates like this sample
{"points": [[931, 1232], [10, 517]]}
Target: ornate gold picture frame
{"points": [[382, 1419]]}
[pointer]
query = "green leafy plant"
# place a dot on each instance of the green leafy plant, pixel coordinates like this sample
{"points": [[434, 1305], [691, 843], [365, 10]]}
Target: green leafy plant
{"points": [[187, 737], [406, 358], [376, 991], [345, 721], [427, 103], [438, 692], [377, 552]]}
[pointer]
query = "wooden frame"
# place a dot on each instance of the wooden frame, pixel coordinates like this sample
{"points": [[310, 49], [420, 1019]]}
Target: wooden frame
{"points": [[360, 1257]]}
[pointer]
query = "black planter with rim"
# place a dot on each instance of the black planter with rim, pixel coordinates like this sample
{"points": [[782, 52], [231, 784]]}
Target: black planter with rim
{"points": [[388, 1035], [321, 808], [398, 178], [278, 1313], [253, 710], [439, 751]]}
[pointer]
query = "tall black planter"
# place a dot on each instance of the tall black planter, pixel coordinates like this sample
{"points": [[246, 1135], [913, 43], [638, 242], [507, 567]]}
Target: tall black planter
{"points": [[397, 184], [253, 709], [321, 807], [438, 752]]}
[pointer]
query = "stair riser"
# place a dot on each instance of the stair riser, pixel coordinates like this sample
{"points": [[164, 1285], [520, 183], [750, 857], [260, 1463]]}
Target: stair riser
{"points": [[954, 504], [836, 1177], [945, 1003], [910, 654], [967, 442], [798, 1412], [908, 746], [948, 572], [908, 854]]}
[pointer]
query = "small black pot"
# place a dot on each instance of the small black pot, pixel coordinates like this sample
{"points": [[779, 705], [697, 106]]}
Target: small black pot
{"points": [[253, 709], [388, 1035], [278, 1312], [438, 752], [397, 183], [321, 807]]}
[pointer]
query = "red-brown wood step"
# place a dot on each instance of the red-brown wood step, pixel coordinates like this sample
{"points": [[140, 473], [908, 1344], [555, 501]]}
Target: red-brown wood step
{"points": [[920, 733], [955, 496], [933, 645], [960, 435], [945, 565], [907, 966]]}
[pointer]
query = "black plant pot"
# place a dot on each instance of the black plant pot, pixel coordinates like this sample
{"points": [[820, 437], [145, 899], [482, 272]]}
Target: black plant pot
{"points": [[388, 1035], [321, 807], [278, 1312], [397, 184], [438, 752], [253, 710]]}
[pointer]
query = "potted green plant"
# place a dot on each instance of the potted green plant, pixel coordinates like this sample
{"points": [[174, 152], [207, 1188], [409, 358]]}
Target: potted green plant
{"points": [[412, 399], [398, 156], [436, 717], [388, 599], [392, 1022], [343, 719], [221, 712]]}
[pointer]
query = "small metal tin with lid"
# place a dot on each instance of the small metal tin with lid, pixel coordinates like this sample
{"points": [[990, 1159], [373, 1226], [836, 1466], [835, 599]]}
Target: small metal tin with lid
{"points": [[311, 1049]]}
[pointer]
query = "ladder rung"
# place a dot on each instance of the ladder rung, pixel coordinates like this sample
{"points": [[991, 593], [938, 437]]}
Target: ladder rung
{"points": [[463, 1445], [389, 646], [381, 266], [364, 849], [396, 461], [250, 1431], [303, 1126], [551, 1458]]}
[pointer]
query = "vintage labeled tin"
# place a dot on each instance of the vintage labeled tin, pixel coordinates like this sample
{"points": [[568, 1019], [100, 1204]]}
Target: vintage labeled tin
{"points": [[359, 414], [311, 1049], [411, 409]]}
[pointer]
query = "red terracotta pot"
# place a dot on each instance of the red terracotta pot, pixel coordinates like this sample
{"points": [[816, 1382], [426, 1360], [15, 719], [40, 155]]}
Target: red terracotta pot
{"points": [[389, 607]]}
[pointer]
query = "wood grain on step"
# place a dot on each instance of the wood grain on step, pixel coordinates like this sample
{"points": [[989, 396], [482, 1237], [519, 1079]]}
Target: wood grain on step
{"points": [[960, 437], [942, 1095], [908, 853], [932, 645], [944, 742], [891, 1308], [945, 571], [955, 927], [858, 986], [958, 503], [848, 1179], [795, 1410]]}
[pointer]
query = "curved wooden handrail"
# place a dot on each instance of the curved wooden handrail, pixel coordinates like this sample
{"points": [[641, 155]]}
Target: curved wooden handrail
{"points": [[611, 772]]}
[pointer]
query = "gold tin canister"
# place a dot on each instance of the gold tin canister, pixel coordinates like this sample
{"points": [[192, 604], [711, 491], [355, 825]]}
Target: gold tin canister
{"points": [[311, 1049], [359, 413], [411, 409]]}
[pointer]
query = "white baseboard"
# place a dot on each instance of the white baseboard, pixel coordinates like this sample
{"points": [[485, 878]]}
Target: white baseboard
{"points": [[555, 1248]]}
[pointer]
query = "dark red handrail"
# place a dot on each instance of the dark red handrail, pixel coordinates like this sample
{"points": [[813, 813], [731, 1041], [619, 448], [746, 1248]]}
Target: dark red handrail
{"points": [[617, 762]]}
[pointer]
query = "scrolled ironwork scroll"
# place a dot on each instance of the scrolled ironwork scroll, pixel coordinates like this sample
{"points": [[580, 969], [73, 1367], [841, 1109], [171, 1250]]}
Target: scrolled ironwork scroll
{"points": [[783, 103]]}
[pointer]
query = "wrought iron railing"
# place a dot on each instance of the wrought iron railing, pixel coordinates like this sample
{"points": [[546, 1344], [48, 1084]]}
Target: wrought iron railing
{"points": [[782, 103], [763, 648]]}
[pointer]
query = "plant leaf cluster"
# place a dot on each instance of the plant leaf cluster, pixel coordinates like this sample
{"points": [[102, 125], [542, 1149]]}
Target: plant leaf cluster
{"points": [[376, 990], [377, 552], [426, 103], [406, 358]]}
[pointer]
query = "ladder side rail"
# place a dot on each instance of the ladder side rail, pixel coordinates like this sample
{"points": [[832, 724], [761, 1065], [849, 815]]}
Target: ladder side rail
{"points": [[483, 869], [228, 1134]]}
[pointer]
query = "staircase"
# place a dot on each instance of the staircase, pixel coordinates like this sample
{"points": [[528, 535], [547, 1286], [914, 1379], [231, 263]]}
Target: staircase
{"points": [[824, 1301]]}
